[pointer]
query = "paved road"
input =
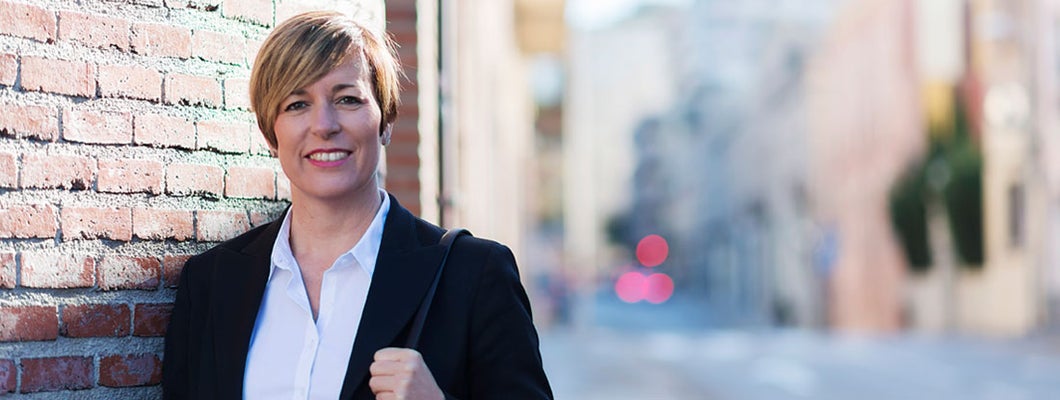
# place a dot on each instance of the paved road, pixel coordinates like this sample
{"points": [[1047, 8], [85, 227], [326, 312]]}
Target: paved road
{"points": [[642, 358], [608, 364]]}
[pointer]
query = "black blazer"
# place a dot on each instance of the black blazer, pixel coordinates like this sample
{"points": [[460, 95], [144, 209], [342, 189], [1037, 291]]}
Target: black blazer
{"points": [[478, 340]]}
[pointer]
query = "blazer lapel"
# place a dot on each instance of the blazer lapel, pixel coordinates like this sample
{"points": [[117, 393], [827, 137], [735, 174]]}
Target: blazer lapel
{"points": [[404, 271], [240, 279]]}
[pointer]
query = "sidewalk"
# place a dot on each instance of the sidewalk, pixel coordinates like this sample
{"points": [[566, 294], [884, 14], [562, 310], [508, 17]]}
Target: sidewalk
{"points": [[779, 365], [677, 351]]}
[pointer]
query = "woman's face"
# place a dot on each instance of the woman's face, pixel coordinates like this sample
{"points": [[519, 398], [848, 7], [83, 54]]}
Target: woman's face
{"points": [[327, 135]]}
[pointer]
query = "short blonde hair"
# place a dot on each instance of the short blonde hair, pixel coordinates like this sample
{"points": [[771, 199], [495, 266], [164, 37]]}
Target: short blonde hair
{"points": [[308, 46]]}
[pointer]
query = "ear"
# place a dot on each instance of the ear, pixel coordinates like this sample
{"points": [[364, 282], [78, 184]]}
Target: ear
{"points": [[384, 135]]}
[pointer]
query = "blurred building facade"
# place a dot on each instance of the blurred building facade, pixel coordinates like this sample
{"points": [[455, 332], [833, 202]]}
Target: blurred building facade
{"points": [[480, 155], [866, 127], [718, 133], [617, 77], [1004, 62], [1047, 143], [1016, 114], [767, 139]]}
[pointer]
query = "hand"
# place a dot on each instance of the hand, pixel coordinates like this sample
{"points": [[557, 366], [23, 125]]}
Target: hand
{"points": [[400, 374]]}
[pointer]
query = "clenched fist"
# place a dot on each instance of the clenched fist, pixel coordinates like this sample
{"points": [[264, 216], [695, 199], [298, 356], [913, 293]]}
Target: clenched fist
{"points": [[400, 374]]}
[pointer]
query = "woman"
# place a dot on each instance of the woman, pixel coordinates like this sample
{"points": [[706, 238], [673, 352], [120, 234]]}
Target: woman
{"points": [[316, 304]]}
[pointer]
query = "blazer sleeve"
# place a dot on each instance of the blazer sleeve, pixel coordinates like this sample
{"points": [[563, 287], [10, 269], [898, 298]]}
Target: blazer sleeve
{"points": [[505, 360], [176, 378]]}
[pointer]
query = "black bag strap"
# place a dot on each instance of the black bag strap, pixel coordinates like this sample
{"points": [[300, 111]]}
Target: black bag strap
{"points": [[421, 316]]}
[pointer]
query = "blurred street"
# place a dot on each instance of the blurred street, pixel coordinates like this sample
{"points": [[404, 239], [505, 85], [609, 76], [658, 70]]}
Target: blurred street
{"points": [[610, 361]]}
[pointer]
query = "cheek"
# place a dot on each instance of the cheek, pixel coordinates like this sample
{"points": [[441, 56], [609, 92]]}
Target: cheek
{"points": [[283, 132]]}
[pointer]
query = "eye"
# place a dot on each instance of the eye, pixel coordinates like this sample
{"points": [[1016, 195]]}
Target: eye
{"points": [[350, 100], [294, 106]]}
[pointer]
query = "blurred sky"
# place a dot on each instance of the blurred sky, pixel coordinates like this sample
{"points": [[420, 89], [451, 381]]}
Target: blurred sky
{"points": [[590, 14]]}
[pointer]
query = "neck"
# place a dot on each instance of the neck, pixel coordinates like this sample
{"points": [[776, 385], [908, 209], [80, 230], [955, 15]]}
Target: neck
{"points": [[328, 229]]}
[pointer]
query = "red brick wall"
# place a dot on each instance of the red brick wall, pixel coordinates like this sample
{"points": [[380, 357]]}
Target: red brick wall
{"points": [[402, 155], [126, 146]]}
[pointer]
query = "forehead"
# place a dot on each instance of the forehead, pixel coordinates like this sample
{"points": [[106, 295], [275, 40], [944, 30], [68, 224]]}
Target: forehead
{"points": [[352, 70]]}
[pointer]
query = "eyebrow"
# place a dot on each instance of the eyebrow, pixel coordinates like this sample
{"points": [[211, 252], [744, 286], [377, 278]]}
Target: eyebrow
{"points": [[337, 88], [343, 86]]}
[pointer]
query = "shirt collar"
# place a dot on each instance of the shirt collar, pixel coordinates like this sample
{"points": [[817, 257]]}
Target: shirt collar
{"points": [[366, 251]]}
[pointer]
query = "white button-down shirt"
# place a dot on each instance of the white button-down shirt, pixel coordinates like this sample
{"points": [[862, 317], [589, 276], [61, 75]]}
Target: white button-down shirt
{"points": [[291, 356]]}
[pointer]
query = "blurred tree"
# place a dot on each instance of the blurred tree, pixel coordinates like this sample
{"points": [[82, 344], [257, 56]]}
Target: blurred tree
{"points": [[963, 192], [950, 174], [909, 217]]}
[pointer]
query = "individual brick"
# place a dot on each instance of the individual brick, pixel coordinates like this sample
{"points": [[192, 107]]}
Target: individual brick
{"points": [[258, 144], [57, 271], [130, 370], [219, 47], [28, 221], [257, 11], [152, 319], [192, 90], [8, 170], [154, 224], [130, 81], [205, 5], [223, 136], [8, 376], [96, 320], [163, 131], [27, 20], [171, 267], [217, 226], [71, 78], [106, 127], [9, 69], [250, 182], [258, 218], [57, 373], [191, 179], [237, 94], [121, 272], [96, 223], [94, 30], [253, 46], [29, 121], [129, 175], [28, 323], [160, 40], [56, 171], [8, 272]]}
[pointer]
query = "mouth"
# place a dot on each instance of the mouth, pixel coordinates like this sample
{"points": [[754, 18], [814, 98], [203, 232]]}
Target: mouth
{"points": [[328, 155]]}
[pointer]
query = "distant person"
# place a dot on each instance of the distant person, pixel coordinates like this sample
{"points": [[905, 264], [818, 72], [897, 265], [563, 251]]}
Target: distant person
{"points": [[317, 304]]}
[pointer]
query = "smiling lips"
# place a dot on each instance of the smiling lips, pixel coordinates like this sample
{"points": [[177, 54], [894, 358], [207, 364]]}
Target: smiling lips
{"points": [[328, 158]]}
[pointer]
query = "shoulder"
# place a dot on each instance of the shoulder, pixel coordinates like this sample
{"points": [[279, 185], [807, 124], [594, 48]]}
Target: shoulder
{"points": [[256, 240], [465, 245]]}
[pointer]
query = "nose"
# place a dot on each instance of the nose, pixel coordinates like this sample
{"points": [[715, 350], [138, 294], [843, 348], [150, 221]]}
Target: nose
{"points": [[325, 121]]}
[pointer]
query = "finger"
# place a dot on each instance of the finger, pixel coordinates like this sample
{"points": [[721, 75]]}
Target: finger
{"points": [[386, 367], [389, 367], [396, 353], [386, 396], [385, 383], [396, 385], [378, 385]]}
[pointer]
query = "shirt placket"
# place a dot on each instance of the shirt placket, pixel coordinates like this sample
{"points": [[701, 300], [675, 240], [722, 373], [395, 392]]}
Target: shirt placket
{"points": [[305, 362]]}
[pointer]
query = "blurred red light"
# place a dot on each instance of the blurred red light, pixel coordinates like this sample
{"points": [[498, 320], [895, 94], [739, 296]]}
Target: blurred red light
{"points": [[631, 287], [652, 250], [658, 288]]}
